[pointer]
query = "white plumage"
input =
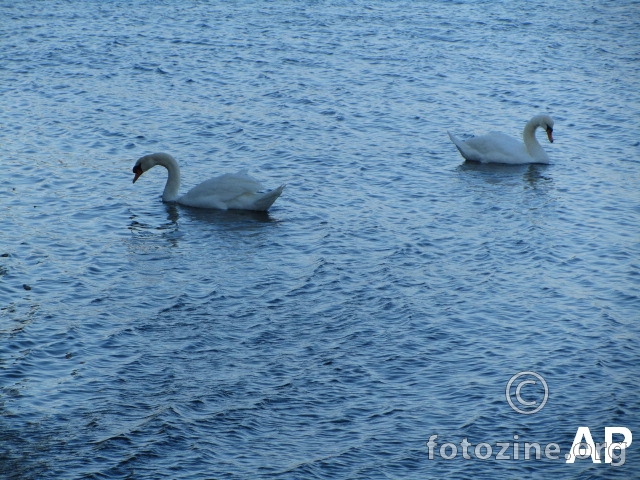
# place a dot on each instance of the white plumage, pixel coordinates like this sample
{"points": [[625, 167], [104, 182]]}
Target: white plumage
{"points": [[500, 148], [231, 191]]}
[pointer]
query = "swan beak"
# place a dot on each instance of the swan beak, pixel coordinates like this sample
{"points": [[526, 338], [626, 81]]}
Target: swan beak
{"points": [[138, 171], [549, 135]]}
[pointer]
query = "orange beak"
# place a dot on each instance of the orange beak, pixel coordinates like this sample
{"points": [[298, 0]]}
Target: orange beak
{"points": [[138, 171], [549, 135]]}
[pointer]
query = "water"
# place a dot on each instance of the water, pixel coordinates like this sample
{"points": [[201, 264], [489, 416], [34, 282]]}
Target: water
{"points": [[388, 296]]}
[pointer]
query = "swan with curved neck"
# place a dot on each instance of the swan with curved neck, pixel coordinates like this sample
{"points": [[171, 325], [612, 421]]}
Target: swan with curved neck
{"points": [[231, 191], [500, 148]]}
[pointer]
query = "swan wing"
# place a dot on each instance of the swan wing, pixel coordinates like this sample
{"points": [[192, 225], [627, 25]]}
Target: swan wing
{"points": [[231, 191], [494, 147], [225, 187], [497, 145], [256, 201]]}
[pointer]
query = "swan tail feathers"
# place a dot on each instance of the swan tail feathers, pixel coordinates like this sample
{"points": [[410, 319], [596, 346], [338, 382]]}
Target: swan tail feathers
{"points": [[263, 203], [465, 150], [458, 143]]}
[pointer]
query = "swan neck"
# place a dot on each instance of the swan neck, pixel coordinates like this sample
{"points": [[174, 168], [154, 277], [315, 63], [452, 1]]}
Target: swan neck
{"points": [[531, 142], [529, 133], [172, 186]]}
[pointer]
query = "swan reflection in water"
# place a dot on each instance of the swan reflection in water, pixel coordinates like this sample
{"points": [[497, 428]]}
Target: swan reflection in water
{"points": [[150, 232], [235, 218], [495, 173], [225, 219]]}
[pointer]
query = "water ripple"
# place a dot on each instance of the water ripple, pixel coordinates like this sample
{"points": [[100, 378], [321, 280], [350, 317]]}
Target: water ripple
{"points": [[390, 293]]}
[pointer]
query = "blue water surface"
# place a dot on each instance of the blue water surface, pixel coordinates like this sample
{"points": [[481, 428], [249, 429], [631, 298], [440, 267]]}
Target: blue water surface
{"points": [[388, 296]]}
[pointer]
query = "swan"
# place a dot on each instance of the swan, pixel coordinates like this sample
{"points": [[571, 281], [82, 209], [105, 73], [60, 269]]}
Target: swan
{"points": [[231, 191], [500, 148]]}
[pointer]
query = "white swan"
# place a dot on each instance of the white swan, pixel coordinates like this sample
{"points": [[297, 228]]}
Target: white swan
{"points": [[500, 148], [231, 191]]}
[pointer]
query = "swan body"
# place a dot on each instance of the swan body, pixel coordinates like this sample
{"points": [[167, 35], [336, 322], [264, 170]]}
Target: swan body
{"points": [[231, 191], [500, 148]]}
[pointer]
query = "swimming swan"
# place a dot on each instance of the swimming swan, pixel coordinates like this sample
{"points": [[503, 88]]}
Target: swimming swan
{"points": [[231, 191], [500, 148]]}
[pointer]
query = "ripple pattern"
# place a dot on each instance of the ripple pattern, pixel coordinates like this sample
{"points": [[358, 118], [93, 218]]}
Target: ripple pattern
{"points": [[390, 293]]}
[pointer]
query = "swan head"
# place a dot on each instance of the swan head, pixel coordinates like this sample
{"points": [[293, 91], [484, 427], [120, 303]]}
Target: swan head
{"points": [[148, 161], [546, 123]]}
